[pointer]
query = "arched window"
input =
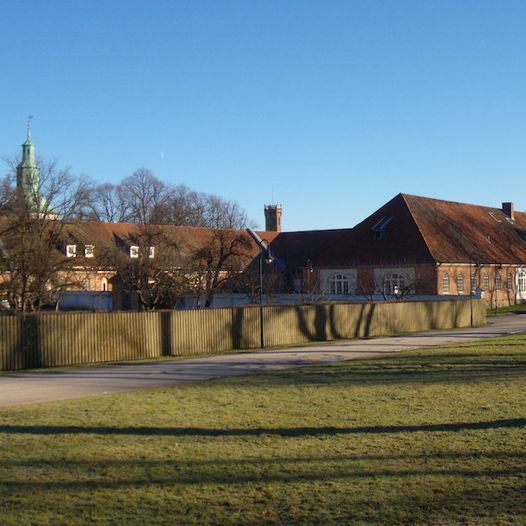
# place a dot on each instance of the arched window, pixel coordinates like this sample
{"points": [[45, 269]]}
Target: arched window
{"points": [[394, 284], [460, 283], [473, 282], [522, 282], [104, 284], [339, 284], [445, 283]]}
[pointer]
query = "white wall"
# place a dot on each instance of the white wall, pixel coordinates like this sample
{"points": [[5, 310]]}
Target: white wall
{"points": [[521, 296], [327, 273]]}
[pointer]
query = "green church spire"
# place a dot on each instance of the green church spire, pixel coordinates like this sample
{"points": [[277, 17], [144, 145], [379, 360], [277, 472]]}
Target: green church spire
{"points": [[28, 175]]}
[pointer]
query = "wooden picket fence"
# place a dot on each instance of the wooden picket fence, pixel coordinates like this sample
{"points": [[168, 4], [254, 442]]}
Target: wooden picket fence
{"points": [[57, 339]]}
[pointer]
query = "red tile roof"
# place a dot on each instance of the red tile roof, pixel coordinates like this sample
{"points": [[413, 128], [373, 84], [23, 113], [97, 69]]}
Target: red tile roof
{"points": [[415, 230], [408, 229], [296, 248], [455, 231], [188, 238], [399, 241]]}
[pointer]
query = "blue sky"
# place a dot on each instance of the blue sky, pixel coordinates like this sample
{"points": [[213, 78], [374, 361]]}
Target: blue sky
{"points": [[328, 107]]}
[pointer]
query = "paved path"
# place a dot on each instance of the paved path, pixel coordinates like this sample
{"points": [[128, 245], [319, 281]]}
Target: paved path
{"points": [[45, 385]]}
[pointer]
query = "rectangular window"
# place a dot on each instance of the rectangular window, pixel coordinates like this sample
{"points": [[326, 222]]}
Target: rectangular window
{"points": [[134, 251], [445, 283], [89, 251], [71, 251], [486, 282], [86, 284], [498, 281], [460, 284], [510, 282], [473, 283], [151, 252]]}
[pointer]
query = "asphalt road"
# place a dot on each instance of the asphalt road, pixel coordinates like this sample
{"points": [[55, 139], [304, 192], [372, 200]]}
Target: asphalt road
{"points": [[29, 387]]}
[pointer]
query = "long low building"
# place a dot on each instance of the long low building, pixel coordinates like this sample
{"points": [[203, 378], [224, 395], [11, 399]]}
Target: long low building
{"points": [[410, 247], [417, 246]]}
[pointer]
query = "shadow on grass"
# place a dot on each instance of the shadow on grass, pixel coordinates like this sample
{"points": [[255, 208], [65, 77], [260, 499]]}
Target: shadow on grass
{"points": [[475, 501], [432, 367], [170, 472], [465, 456], [285, 432], [491, 483]]}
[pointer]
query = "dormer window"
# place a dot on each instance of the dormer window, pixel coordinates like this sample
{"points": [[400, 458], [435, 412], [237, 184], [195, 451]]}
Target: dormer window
{"points": [[134, 251], [71, 251], [89, 251], [151, 252], [380, 227]]}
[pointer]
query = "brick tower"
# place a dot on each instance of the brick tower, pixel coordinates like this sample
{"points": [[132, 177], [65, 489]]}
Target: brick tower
{"points": [[273, 218]]}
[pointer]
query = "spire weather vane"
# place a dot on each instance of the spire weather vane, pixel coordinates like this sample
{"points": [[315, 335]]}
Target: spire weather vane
{"points": [[29, 119]]}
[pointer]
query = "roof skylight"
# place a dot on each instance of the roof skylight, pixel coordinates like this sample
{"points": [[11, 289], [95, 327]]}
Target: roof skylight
{"points": [[492, 214], [380, 227]]}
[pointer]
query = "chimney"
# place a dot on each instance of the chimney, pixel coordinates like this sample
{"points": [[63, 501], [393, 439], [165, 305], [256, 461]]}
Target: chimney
{"points": [[507, 208], [273, 218]]}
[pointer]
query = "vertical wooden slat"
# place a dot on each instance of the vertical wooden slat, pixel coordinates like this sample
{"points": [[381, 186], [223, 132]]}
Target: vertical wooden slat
{"points": [[55, 339]]}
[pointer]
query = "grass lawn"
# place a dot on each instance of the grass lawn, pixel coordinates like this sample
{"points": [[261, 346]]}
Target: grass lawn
{"points": [[519, 308], [424, 437]]}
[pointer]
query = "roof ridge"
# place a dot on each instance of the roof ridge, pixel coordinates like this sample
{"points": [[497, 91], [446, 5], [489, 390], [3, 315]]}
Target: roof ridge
{"points": [[404, 195], [318, 231], [121, 224]]}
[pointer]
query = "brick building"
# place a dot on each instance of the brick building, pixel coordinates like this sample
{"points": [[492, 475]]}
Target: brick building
{"points": [[418, 246], [411, 246]]}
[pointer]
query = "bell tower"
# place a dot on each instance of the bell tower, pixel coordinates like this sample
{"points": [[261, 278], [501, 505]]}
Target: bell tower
{"points": [[28, 175]]}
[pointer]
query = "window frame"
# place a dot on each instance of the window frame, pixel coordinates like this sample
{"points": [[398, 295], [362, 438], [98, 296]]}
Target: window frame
{"points": [[89, 251], [339, 284], [446, 283], [71, 251], [460, 283], [393, 284]]}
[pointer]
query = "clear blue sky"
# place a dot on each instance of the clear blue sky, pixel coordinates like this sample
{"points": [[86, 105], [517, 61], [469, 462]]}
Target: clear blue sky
{"points": [[328, 107]]}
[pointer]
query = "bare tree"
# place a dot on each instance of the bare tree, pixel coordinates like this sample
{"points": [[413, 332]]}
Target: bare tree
{"points": [[144, 197], [222, 213], [32, 262], [152, 271], [181, 206], [389, 285], [224, 255], [107, 204]]}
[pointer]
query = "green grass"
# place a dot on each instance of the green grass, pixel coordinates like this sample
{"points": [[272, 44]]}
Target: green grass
{"points": [[519, 308], [424, 437]]}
